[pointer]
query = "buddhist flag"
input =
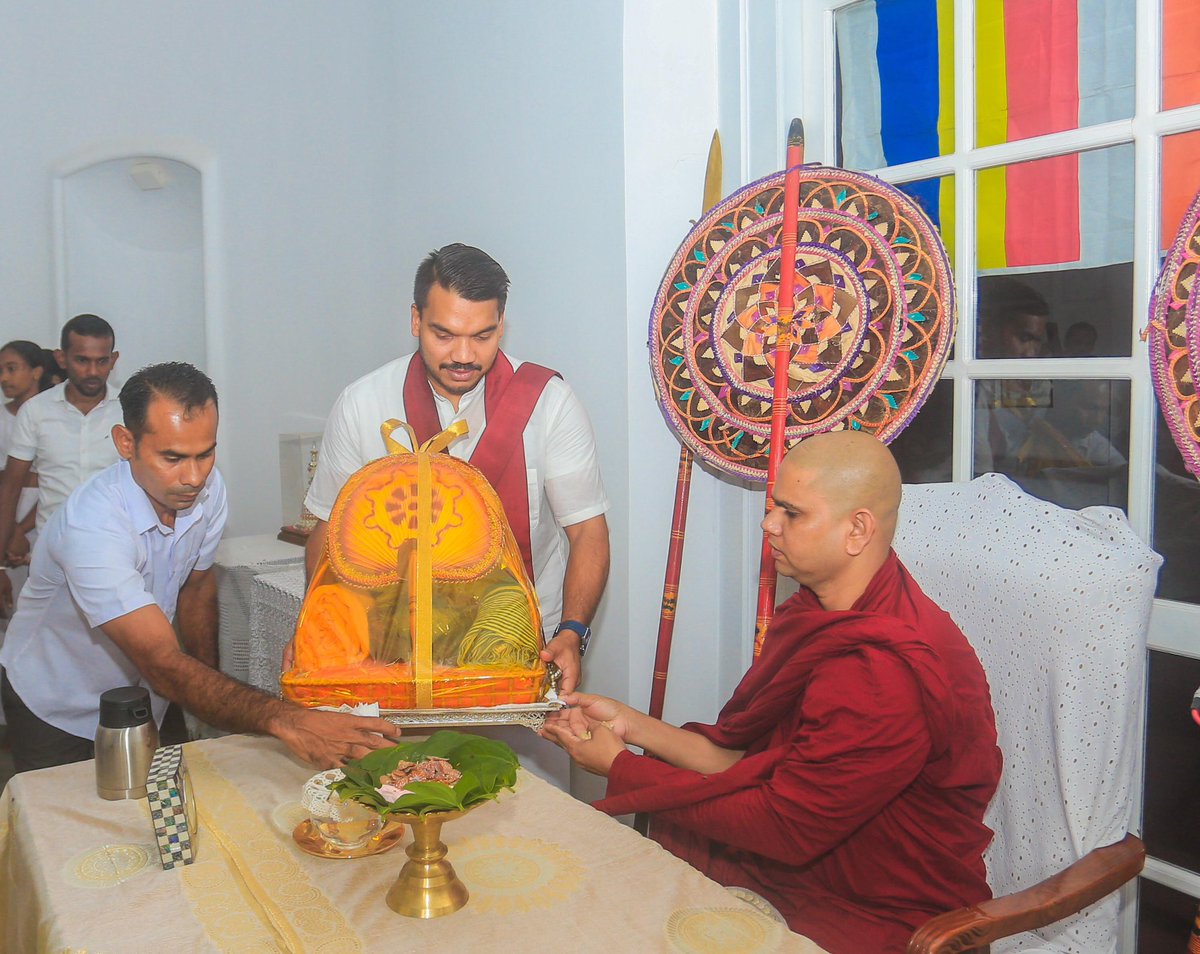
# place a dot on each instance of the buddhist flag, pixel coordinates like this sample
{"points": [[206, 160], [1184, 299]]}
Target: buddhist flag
{"points": [[1042, 66]]}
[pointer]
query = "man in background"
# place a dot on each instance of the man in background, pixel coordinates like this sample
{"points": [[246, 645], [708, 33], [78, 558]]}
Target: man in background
{"points": [[64, 434]]}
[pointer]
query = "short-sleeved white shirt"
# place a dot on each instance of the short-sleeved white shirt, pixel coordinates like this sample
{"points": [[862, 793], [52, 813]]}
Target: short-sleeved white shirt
{"points": [[103, 555], [28, 497], [65, 445], [562, 470]]}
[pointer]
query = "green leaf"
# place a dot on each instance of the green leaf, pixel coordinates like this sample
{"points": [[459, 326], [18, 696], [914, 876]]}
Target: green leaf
{"points": [[488, 766]]}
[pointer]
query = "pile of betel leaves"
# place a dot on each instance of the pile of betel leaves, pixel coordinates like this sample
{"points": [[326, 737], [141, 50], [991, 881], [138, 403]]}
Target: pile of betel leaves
{"points": [[487, 765]]}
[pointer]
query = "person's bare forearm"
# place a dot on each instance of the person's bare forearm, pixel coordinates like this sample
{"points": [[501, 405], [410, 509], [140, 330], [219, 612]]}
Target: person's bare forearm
{"points": [[217, 699], [587, 569], [10, 491], [678, 747], [196, 617]]}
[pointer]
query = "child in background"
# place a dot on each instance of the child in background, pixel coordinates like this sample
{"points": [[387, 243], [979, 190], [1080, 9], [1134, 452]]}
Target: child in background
{"points": [[22, 375]]}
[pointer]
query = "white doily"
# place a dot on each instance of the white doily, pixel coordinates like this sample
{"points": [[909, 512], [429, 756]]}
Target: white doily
{"points": [[1056, 604]]}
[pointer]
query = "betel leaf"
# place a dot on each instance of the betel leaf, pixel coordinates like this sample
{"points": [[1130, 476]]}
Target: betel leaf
{"points": [[487, 766]]}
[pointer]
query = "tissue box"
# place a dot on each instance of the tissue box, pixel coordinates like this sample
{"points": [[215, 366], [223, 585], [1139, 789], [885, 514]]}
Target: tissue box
{"points": [[172, 807]]}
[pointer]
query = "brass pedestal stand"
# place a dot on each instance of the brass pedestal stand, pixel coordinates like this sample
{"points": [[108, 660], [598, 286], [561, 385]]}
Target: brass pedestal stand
{"points": [[427, 886]]}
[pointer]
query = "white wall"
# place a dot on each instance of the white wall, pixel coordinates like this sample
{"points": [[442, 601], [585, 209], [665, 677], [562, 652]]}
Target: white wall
{"points": [[339, 144], [288, 110]]}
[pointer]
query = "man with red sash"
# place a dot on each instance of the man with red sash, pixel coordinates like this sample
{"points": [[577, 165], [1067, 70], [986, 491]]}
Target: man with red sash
{"points": [[846, 779], [527, 433]]}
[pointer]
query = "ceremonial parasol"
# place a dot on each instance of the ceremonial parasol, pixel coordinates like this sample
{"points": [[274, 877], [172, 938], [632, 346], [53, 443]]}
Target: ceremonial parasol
{"points": [[1174, 338], [861, 339]]}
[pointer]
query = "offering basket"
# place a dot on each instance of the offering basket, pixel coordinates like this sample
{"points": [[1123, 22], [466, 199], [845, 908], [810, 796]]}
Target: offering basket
{"points": [[422, 601]]}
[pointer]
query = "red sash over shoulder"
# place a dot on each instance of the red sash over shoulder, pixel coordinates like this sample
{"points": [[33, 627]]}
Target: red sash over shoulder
{"points": [[509, 400]]}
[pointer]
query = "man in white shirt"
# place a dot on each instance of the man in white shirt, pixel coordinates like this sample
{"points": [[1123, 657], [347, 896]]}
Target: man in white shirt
{"points": [[63, 433], [554, 498], [121, 593]]}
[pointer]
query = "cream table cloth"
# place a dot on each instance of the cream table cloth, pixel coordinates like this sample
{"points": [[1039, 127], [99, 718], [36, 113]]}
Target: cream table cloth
{"points": [[545, 872]]}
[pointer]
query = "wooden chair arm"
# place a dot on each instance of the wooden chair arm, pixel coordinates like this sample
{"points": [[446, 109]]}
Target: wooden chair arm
{"points": [[1098, 873]]}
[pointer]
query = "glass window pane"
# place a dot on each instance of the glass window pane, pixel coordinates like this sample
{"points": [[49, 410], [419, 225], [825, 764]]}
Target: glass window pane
{"points": [[1055, 256], [923, 449], [895, 81], [936, 198], [1180, 160], [1043, 66], [1180, 53], [1176, 520], [1063, 440]]}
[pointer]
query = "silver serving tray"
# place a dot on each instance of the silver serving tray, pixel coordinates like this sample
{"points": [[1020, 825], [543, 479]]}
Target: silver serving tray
{"points": [[531, 715]]}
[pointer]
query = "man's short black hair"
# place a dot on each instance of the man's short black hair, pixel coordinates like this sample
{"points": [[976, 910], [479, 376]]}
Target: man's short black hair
{"points": [[177, 381], [89, 326], [469, 272]]}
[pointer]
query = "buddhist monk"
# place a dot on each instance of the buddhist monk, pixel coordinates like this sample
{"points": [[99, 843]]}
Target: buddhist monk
{"points": [[846, 779]]}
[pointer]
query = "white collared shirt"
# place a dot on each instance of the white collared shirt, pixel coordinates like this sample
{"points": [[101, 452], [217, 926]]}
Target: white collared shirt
{"points": [[65, 445], [562, 471], [103, 555]]}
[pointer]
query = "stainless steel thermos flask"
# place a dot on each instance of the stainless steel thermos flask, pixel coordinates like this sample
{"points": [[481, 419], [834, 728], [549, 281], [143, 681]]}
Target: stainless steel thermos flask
{"points": [[126, 740]]}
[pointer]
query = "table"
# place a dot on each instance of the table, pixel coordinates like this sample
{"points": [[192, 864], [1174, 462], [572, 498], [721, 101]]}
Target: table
{"points": [[545, 873], [276, 595], [239, 560]]}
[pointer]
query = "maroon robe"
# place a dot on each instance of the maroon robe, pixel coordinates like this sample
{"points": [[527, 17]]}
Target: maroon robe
{"points": [[871, 757]]}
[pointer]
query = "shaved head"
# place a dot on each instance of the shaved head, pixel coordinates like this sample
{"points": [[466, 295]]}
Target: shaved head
{"points": [[853, 470], [836, 496]]}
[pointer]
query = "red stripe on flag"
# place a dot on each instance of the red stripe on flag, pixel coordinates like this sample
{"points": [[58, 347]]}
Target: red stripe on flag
{"points": [[1042, 211], [1041, 42], [1180, 54]]}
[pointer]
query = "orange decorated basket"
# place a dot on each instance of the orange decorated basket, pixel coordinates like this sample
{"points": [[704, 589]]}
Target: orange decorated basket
{"points": [[421, 599]]}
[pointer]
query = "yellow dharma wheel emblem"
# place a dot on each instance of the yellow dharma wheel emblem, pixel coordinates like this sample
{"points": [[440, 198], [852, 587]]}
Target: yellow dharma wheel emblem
{"points": [[374, 525]]}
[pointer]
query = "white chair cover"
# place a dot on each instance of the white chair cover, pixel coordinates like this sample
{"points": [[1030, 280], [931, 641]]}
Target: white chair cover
{"points": [[1056, 603]]}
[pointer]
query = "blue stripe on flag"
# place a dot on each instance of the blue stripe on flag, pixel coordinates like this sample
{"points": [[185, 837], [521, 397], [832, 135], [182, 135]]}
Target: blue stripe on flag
{"points": [[907, 54]]}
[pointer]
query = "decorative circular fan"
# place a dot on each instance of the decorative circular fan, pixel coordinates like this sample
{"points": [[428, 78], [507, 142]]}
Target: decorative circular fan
{"points": [[374, 522], [874, 317], [1174, 338]]}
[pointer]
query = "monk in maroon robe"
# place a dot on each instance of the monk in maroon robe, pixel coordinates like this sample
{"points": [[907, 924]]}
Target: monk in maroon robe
{"points": [[847, 778]]}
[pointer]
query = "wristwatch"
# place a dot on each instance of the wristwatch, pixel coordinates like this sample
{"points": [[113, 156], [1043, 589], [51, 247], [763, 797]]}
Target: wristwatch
{"points": [[583, 632]]}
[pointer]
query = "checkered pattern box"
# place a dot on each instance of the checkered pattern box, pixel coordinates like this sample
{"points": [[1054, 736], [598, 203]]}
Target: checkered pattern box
{"points": [[168, 791]]}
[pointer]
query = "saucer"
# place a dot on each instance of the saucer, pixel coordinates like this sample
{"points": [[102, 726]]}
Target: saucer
{"points": [[307, 837]]}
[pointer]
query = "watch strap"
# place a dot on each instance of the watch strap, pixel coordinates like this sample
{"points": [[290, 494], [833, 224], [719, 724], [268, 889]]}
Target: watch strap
{"points": [[579, 629]]}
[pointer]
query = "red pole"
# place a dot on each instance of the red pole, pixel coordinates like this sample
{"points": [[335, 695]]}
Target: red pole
{"points": [[783, 359], [683, 486]]}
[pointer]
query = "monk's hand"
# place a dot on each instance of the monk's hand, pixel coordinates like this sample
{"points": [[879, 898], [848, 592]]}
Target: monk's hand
{"points": [[331, 739], [616, 716], [563, 651], [592, 745]]}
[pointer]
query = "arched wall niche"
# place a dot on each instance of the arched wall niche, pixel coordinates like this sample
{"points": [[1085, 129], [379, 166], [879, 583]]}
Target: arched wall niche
{"points": [[136, 242]]}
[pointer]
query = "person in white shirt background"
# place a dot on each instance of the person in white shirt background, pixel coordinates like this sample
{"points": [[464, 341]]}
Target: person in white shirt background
{"points": [[64, 433], [22, 375]]}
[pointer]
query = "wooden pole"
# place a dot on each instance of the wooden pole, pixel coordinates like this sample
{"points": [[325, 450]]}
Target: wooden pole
{"points": [[683, 486], [783, 359]]}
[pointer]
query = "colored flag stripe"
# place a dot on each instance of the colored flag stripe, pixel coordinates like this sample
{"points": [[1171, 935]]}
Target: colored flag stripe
{"points": [[907, 54], [1042, 212], [1181, 55], [1041, 44], [1180, 181]]}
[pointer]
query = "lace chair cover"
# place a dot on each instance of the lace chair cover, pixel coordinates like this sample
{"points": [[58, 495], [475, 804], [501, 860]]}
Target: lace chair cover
{"points": [[1056, 603]]}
